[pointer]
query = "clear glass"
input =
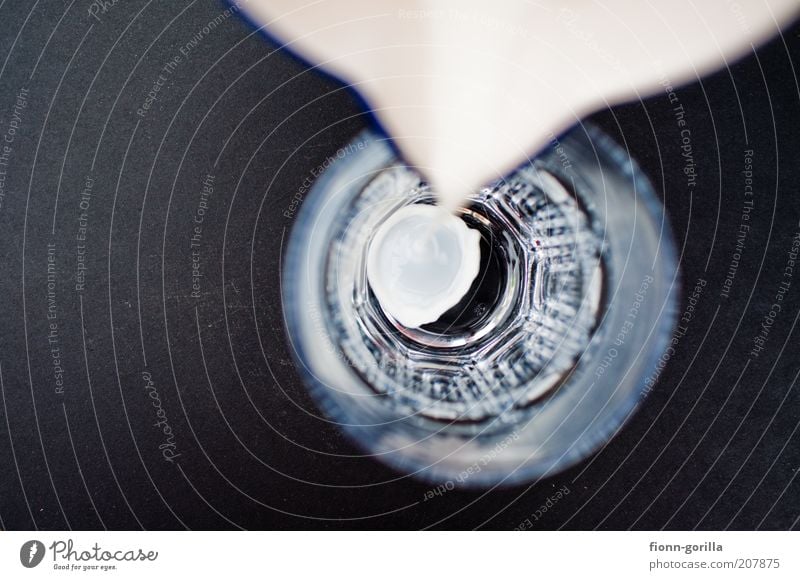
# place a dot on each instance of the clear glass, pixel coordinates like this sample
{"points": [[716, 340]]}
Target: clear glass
{"points": [[538, 365]]}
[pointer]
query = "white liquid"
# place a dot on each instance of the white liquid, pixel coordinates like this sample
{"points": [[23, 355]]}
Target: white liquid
{"points": [[421, 262], [468, 88]]}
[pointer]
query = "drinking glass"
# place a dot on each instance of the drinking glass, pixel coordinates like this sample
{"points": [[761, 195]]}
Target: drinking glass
{"points": [[544, 358]]}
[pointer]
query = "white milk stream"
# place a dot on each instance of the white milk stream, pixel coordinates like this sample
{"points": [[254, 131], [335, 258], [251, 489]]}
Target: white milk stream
{"points": [[469, 89], [421, 262]]}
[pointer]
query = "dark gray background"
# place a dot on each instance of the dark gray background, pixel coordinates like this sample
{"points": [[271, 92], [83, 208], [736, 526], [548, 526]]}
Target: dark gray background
{"points": [[713, 446]]}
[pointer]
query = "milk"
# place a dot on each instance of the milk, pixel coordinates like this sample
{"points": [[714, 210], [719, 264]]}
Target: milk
{"points": [[421, 262], [469, 89]]}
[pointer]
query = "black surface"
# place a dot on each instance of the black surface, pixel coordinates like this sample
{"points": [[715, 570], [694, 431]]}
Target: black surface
{"points": [[714, 446]]}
